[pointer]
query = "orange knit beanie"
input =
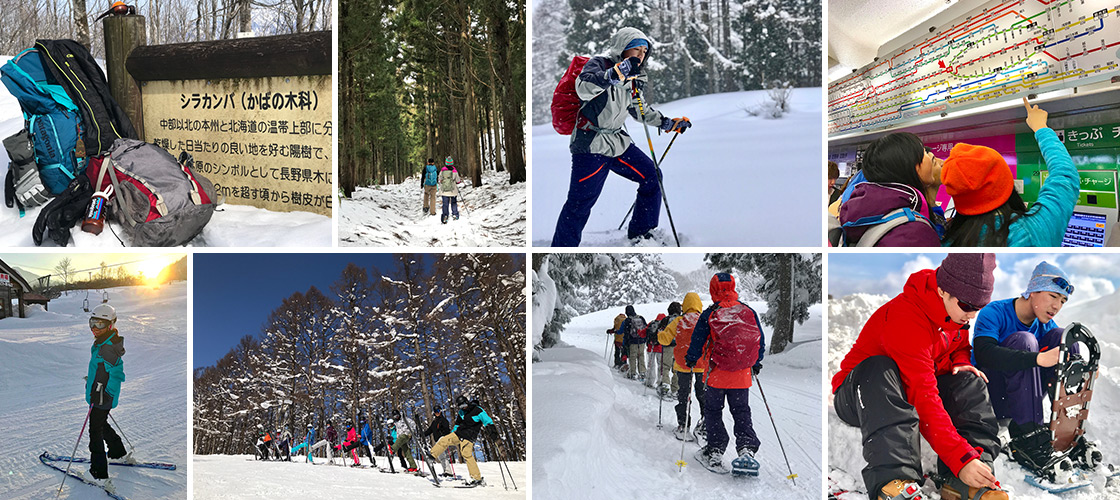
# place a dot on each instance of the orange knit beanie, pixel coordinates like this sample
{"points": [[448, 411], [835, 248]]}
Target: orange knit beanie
{"points": [[978, 179]]}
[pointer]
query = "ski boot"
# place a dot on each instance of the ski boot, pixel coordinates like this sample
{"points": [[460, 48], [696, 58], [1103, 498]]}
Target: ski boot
{"points": [[443, 219], [745, 465], [472, 483], [901, 489], [129, 459], [101, 482], [711, 459], [682, 434], [952, 489]]}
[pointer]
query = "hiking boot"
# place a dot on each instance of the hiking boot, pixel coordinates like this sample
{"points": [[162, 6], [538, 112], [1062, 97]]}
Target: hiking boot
{"points": [[700, 431], [1030, 446], [662, 391], [682, 434], [901, 489], [711, 459], [479, 482], [456, 216], [129, 459], [951, 491], [443, 219]]}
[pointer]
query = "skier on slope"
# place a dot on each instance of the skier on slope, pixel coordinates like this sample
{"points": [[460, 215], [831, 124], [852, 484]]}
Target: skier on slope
{"points": [[351, 443], [324, 443], [308, 440], [285, 444], [262, 442], [428, 178], [609, 88], [400, 443], [633, 343], [617, 332], [103, 390], [437, 429], [449, 189], [909, 372], [468, 423], [680, 331], [733, 336], [367, 441]]}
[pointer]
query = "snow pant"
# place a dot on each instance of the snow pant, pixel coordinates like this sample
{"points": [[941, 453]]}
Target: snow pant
{"points": [[737, 402], [302, 446], [466, 449], [454, 201], [350, 447], [284, 450], [589, 172], [323, 444], [667, 376], [430, 200], [872, 399], [102, 435], [262, 449], [637, 361], [683, 381], [653, 367], [1018, 394], [400, 447], [617, 354]]}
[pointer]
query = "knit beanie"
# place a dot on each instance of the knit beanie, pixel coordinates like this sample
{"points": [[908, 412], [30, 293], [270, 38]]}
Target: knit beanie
{"points": [[1042, 280], [448, 161], [630, 311], [637, 42], [978, 179], [968, 277]]}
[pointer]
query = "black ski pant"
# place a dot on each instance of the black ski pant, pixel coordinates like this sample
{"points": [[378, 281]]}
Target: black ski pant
{"points": [[101, 434], [684, 379], [872, 399], [617, 354]]}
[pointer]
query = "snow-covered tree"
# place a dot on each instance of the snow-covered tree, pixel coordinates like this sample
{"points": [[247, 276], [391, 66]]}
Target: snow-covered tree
{"points": [[635, 278]]}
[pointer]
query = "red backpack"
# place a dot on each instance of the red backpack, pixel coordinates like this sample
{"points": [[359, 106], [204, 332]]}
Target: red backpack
{"points": [[735, 337], [565, 101]]}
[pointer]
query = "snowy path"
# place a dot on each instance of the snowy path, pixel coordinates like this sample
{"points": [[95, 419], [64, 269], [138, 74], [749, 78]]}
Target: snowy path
{"points": [[595, 432], [242, 477], [391, 215], [731, 180], [42, 361]]}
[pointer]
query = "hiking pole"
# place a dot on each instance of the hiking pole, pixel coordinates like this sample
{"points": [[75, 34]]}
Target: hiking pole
{"points": [[688, 419], [663, 153], [83, 431], [791, 475], [656, 165], [661, 399], [131, 448], [607, 347]]}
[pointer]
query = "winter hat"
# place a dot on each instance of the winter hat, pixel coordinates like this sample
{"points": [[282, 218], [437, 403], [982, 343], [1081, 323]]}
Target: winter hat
{"points": [[978, 179], [437, 409], [630, 311], [1048, 278], [448, 161], [675, 308], [968, 277], [722, 288], [637, 42]]}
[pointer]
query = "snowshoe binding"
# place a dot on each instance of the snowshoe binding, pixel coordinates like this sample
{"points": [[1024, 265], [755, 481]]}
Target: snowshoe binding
{"points": [[745, 464], [712, 460], [700, 433], [901, 489], [683, 434]]}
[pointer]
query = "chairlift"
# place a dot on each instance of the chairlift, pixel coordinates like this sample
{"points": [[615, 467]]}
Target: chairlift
{"points": [[104, 296], [85, 302]]}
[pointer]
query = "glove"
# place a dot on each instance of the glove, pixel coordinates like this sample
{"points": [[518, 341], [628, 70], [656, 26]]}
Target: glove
{"points": [[675, 124], [625, 70], [691, 363], [491, 433], [623, 359], [756, 368]]}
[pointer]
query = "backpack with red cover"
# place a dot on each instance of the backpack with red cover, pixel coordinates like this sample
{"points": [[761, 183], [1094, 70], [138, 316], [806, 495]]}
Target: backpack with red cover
{"points": [[736, 337], [565, 101]]}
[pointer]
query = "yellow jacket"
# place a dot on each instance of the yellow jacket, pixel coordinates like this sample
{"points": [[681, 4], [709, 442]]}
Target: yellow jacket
{"points": [[617, 327], [692, 307]]}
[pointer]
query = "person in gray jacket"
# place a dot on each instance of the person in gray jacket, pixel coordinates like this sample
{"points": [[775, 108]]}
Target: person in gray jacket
{"points": [[609, 88]]}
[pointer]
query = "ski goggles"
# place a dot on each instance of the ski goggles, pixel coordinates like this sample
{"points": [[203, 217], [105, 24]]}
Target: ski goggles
{"points": [[966, 307], [99, 323], [1061, 282]]}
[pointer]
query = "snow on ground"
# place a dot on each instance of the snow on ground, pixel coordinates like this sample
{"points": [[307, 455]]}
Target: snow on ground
{"points": [[726, 179], [595, 436], [43, 359], [231, 225], [392, 215], [846, 317], [244, 478]]}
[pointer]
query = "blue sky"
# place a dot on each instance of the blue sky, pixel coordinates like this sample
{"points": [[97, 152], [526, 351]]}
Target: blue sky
{"points": [[1093, 275]]}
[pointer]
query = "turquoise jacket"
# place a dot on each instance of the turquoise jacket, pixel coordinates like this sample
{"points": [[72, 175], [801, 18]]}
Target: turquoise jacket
{"points": [[106, 372]]}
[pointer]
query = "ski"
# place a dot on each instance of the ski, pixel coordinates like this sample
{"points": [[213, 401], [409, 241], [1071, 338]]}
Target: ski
{"points": [[79, 477], [416, 442], [145, 465]]}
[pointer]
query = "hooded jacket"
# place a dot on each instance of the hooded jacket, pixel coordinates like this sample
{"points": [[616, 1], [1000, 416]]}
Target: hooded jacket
{"points": [[914, 330], [606, 106], [106, 371], [730, 358], [470, 422], [618, 320], [680, 329], [871, 199]]}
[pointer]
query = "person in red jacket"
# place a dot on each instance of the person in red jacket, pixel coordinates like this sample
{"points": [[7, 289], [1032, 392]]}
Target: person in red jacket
{"points": [[910, 371]]}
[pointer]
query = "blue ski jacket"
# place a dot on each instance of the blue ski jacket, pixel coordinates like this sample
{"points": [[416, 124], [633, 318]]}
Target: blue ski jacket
{"points": [[366, 434]]}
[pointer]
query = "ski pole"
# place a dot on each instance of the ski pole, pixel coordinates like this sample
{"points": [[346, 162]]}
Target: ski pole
{"points": [[502, 461], [661, 399], [662, 160], [791, 475], [656, 165], [130, 447], [83, 431], [498, 450], [607, 348], [688, 419]]}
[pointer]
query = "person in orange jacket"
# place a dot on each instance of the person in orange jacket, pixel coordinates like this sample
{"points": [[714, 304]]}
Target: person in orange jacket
{"points": [[910, 371], [679, 332], [617, 332]]}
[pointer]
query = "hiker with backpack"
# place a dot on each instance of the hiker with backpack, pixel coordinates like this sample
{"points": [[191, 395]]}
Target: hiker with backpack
{"points": [[732, 334], [653, 350], [608, 89], [616, 330], [449, 188], [909, 372], [680, 331], [990, 211], [634, 343], [428, 180]]}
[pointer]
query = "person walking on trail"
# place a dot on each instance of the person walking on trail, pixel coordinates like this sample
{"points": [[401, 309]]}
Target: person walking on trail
{"points": [[664, 350], [634, 343], [367, 441], [680, 331], [609, 88], [428, 178], [732, 334], [437, 429], [653, 350], [448, 185], [616, 330], [103, 391], [468, 424], [909, 371]]}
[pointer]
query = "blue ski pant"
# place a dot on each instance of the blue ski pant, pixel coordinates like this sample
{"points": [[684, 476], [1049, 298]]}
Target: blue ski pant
{"points": [[1018, 394], [589, 172], [737, 402], [454, 201]]}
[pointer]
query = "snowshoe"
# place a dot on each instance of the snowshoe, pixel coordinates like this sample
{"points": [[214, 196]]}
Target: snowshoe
{"points": [[1073, 388], [712, 460], [700, 433], [682, 434], [443, 219], [652, 238], [901, 489], [745, 464]]}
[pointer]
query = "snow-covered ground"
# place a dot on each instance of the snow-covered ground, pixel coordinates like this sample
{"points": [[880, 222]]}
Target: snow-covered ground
{"points": [[731, 180], [244, 478], [391, 215], [231, 225], [846, 316], [595, 435], [43, 359]]}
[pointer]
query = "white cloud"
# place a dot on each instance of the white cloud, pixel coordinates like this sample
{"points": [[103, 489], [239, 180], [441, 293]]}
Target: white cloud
{"points": [[1104, 265]]}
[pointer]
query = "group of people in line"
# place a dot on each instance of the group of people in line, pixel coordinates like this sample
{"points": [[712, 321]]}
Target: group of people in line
{"points": [[916, 369], [443, 183], [891, 201]]}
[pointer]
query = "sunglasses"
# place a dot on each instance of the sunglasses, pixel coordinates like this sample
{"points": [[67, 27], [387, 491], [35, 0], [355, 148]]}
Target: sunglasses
{"points": [[1061, 282], [966, 307], [99, 323]]}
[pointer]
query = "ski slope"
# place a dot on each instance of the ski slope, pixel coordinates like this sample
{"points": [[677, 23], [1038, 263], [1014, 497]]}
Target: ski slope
{"points": [[391, 215], [43, 359], [244, 478], [731, 180], [846, 317], [231, 225], [595, 435]]}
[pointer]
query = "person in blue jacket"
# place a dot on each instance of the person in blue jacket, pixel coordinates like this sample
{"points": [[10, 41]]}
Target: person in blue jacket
{"points": [[307, 442], [428, 178], [103, 389], [470, 421], [367, 441], [989, 209]]}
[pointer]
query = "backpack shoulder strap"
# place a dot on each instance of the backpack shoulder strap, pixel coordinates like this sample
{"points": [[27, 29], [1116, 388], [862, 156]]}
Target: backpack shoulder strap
{"points": [[884, 224]]}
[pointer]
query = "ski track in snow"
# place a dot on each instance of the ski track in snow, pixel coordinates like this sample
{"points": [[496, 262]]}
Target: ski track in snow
{"points": [[42, 361], [244, 478], [391, 215], [724, 179], [595, 435], [847, 316]]}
